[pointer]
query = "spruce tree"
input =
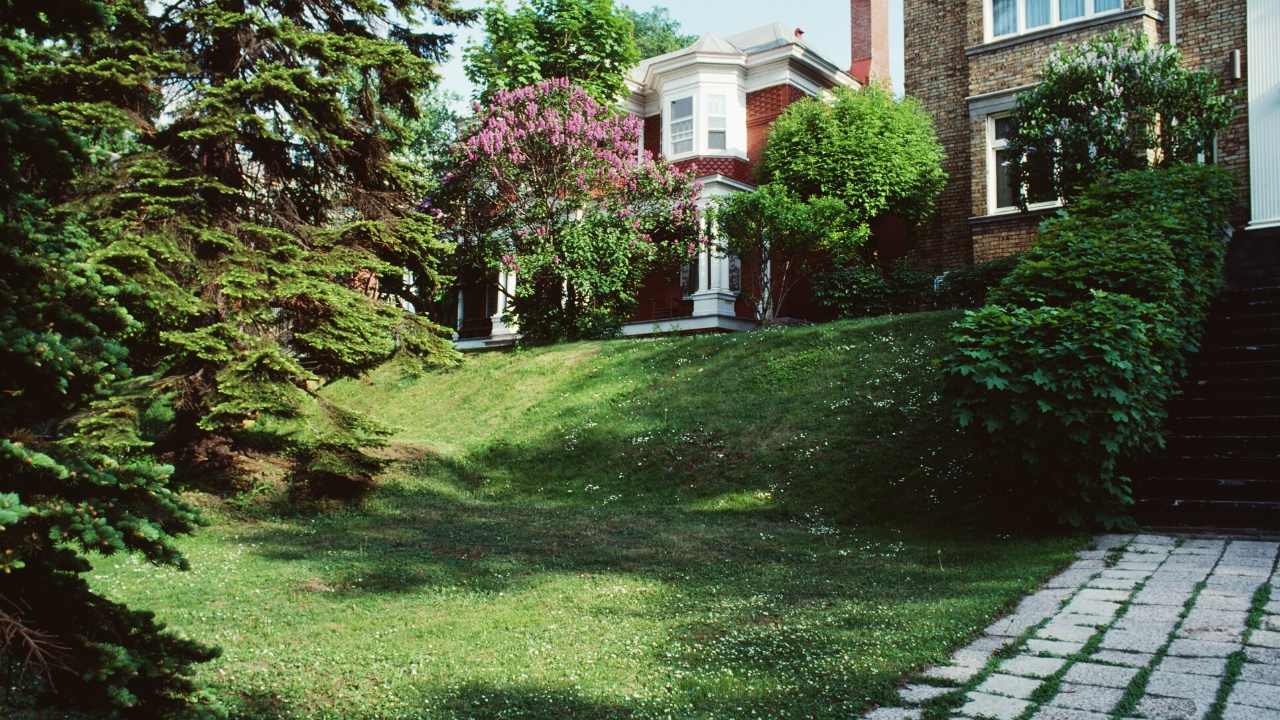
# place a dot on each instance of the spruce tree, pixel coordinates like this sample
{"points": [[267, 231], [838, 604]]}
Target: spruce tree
{"points": [[253, 218], [76, 475]]}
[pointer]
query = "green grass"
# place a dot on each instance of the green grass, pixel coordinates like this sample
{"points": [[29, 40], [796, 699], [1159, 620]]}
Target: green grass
{"points": [[755, 525]]}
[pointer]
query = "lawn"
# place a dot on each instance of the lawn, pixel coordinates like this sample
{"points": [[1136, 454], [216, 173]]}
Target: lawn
{"points": [[751, 525]]}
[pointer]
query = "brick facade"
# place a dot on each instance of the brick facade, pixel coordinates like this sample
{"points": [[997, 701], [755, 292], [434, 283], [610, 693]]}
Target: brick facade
{"points": [[763, 107], [949, 66]]}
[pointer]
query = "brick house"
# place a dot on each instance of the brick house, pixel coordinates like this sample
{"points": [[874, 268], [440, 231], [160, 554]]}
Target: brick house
{"points": [[708, 108], [965, 60]]}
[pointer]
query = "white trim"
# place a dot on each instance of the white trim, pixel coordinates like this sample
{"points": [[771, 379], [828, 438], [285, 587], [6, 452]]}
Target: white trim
{"points": [[639, 328], [1263, 224], [992, 193], [1055, 20]]}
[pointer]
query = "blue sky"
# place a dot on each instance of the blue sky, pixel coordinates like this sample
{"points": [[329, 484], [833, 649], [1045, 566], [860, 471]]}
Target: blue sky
{"points": [[825, 23]]}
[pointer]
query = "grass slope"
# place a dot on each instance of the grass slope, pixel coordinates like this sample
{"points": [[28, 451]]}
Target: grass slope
{"points": [[691, 527]]}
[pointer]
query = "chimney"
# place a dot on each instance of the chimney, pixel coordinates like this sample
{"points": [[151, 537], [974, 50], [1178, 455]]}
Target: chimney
{"points": [[870, 29]]}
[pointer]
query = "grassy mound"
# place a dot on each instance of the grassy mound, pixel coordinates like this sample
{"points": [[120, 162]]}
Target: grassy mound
{"points": [[630, 529]]}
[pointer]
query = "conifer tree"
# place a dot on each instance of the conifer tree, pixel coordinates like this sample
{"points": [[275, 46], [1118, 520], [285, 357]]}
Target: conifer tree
{"points": [[253, 216], [75, 474]]}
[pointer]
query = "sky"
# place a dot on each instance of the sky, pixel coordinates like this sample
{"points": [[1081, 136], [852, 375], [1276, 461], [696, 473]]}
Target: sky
{"points": [[825, 24]]}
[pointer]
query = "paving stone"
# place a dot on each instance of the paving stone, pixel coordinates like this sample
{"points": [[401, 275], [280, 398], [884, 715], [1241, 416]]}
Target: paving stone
{"points": [[951, 673], [1114, 584], [1202, 648], [1098, 608], [1014, 625], [1153, 539], [1165, 708], [1070, 633], [1009, 685], [1146, 566], [1260, 673], [1220, 625], [983, 705], [1125, 574], [1200, 688], [1031, 666], [919, 693], [1233, 584], [1057, 713], [1162, 595], [1271, 623], [1244, 712], [1110, 541], [1255, 695], [1272, 607], [1086, 673], [1087, 564], [1132, 641], [977, 653], [1083, 620], [1086, 697], [1247, 570], [1253, 547], [1265, 638], [894, 714], [1070, 579], [1058, 648], [1161, 628], [1213, 667], [1153, 613], [1128, 659], [1266, 656], [1212, 601], [1096, 594]]}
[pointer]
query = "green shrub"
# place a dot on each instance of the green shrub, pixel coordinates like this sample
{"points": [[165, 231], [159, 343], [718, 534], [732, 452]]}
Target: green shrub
{"points": [[967, 287], [1064, 375], [863, 291]]}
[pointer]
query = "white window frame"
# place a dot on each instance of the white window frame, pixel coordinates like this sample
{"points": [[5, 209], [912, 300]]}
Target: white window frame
{"points": [[669, 142], [1055, 17], [993, 172]]}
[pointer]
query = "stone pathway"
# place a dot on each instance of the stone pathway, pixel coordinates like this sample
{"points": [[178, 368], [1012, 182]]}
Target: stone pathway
{"points": [[1156, 627]]}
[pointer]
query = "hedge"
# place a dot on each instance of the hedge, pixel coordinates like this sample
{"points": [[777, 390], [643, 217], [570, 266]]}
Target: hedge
{"points": [[1063, 377]]}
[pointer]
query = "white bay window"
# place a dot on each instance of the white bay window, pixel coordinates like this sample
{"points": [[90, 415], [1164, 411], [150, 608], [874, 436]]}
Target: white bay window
{"points": [[1011, 17]]}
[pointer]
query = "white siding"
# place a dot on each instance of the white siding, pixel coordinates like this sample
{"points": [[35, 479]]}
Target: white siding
{"points": [[1264, 111]]}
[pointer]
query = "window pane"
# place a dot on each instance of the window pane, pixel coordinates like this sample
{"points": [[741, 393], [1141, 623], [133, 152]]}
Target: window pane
{"points": [[682, 146], [1004, 128], [1039, 180], [1101, 5], [1004, 189], [716, 140], [1037, 13], [682, 108], [1004, 17], [1071, 9]]}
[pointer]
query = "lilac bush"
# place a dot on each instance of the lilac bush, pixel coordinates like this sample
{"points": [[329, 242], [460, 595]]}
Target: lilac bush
{"points": [[553, 186]]}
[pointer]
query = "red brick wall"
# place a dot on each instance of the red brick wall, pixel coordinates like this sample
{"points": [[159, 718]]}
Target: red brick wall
{"points": [[735, 168], [1207, 33], [653, 135], [763, 107], [937, 74]]}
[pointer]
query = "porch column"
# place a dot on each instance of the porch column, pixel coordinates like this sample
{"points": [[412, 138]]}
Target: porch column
{"points": [[714, 296], [507, 283]]}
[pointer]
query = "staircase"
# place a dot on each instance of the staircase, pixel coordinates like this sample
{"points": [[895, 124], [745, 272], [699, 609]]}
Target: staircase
{"points": [[1221, 467]]}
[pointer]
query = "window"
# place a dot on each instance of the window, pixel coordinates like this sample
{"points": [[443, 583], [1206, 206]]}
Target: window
{"points": [[681, 126], [716, 133], [1010, 17], [1002, 195]]}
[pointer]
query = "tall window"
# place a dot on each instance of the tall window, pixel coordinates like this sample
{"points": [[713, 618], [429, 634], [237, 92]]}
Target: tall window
{"points": [[716, 122], [681, 125], [1009, 17], [1003, 196]]}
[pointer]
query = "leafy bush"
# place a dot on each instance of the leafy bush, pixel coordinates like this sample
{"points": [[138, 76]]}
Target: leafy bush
{"points": [[861, 290], [967, 287], [818, 149], [1110, 104], [1065, 374]]}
